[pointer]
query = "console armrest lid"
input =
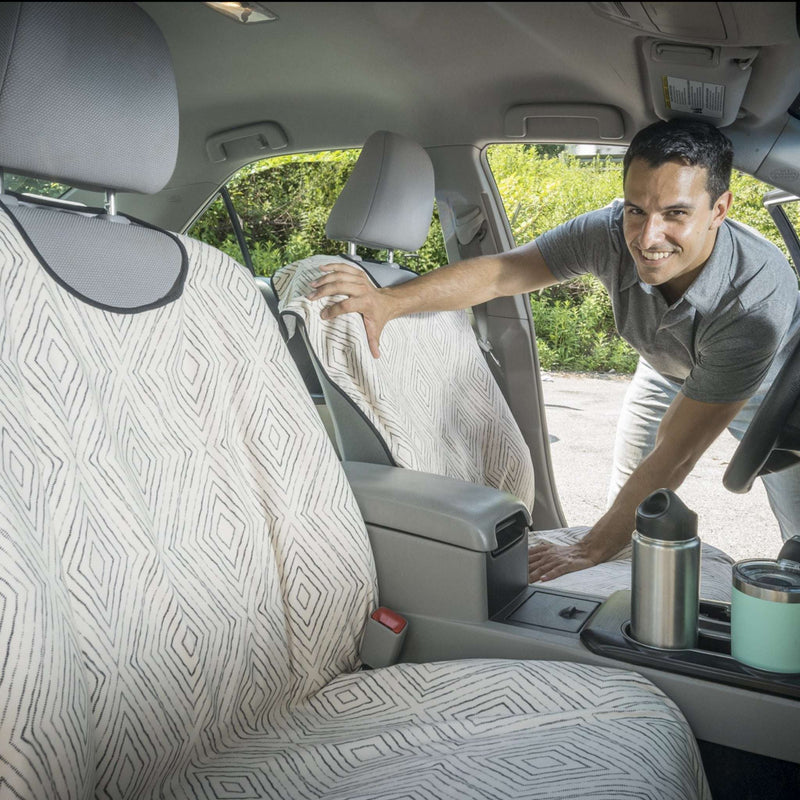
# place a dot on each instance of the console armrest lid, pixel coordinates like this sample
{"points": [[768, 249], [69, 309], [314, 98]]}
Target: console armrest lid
{"points": [[432, 506]]}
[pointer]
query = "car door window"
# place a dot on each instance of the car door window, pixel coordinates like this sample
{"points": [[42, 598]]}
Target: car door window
{"points": [[784, 208], [283, 205], [543, 185]]}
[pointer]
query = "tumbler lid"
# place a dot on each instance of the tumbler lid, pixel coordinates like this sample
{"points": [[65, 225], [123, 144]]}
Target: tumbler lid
{"points": [[663, 515], [768, 580]]}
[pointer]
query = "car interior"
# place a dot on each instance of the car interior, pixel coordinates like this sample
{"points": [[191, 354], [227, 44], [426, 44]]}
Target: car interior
{"points": [[242, 558]]}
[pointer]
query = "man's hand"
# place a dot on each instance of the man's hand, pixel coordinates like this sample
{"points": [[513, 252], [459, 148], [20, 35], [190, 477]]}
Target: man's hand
{"points": [[362, 296], [547, 560]]}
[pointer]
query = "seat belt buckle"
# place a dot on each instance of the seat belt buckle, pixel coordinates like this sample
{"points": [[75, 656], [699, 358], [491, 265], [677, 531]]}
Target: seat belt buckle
{"points": [[384, 635]]}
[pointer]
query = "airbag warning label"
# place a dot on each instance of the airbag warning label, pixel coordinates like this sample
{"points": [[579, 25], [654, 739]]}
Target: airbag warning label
{"points": [[694, 97]]}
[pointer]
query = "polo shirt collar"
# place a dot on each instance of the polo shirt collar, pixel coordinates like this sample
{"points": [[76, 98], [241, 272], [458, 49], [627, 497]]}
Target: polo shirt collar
{"points": [[715, 276], [707, 286]]}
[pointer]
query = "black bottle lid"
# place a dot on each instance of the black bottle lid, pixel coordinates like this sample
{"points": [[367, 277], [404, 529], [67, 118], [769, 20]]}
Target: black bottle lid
{"points": [[663, 515]]}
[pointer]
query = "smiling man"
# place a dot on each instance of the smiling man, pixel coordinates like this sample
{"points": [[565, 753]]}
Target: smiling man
{"points": [[706, 302]]}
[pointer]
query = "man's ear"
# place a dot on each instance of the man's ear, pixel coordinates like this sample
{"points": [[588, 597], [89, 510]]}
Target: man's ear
{"points": [[720, 209]]}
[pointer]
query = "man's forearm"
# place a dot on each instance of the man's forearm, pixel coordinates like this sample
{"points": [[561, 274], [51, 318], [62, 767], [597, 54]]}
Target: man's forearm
{"points": [[687, 430], [449, 288], [468, 283], [613, 530]]}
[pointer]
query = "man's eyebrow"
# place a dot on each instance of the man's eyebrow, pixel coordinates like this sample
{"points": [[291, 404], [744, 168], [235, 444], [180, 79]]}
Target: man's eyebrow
{"points": [[675, 206]]}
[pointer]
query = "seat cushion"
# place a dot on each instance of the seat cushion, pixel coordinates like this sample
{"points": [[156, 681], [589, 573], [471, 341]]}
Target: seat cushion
{"points": [[185, 580], [603, 579], [430, 397], [477, 729]]}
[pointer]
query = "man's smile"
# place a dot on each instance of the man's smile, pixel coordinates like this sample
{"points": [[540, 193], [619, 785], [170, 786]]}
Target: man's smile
{"points": [[654, 256]]}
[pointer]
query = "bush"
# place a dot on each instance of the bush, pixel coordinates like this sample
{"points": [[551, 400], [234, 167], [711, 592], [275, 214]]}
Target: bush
{"points": [[284, 203], [544, 186]]}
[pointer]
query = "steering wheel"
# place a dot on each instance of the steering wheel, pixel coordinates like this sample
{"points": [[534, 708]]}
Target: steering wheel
{"points": [[772, 440]]}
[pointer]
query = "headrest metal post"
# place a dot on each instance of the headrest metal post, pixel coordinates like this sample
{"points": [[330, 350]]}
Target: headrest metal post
{"points": [[111, 203], [2, 181], [351, 249], [390, 256]]}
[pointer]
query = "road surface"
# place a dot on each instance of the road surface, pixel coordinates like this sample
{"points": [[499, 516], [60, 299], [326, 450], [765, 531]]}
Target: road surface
{"points": [[582, 412]]}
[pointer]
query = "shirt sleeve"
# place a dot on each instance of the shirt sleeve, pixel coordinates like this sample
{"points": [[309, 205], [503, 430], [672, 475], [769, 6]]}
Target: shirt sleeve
{"points": [[588, 243], [734, 356]]}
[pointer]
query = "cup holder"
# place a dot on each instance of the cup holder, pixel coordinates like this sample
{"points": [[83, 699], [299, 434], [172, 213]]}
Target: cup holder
{"points": [[708, 641], [608, 633]]}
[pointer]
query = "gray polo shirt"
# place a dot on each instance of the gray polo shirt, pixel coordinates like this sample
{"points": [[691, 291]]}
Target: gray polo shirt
{"points": [[718, 340]]}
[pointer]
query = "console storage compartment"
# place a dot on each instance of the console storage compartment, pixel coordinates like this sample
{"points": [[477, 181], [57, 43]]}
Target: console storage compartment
{"points": [[442, 547]]}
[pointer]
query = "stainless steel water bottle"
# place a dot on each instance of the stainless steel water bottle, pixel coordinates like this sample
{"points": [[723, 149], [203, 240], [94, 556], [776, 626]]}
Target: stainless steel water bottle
{"points": [[666, 573]]}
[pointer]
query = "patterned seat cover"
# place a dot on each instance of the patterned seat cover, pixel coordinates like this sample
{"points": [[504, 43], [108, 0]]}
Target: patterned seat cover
{"points": [[184, 580], [433, 401], [430, 396]]}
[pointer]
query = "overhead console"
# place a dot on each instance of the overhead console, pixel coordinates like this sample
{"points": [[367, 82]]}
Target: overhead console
{"points": [[712, 22]]}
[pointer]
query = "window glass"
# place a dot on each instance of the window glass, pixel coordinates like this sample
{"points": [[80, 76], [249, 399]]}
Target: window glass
{"points": [[542, 186], [215, 228], [35, 186], [748, 208], [284, 203]]}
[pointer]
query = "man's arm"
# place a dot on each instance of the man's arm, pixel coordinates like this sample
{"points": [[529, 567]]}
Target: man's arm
{"points": [[685, 433], [459, 285]]}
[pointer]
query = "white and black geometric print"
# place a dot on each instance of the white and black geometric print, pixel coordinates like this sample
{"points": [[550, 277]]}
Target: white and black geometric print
{"points": [[610, 576], [430, 396], [184, 580], [438, 409]]}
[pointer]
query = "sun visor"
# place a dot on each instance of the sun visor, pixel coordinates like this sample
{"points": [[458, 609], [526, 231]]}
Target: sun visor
{"points": [[699, 81]]}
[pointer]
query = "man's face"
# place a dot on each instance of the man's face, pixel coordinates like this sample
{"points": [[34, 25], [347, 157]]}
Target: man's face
{"points": [[670, 223]]}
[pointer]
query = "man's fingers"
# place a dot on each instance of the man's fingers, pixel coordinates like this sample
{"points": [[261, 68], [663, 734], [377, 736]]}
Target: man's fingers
{"points": [[336, 283], [360, 296], [373, 337], [544, 569], [333, 272], [340, 266], [334, 310]]}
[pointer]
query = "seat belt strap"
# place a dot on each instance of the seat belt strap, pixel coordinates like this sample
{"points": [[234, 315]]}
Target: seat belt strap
{"points": [[471, 229]]}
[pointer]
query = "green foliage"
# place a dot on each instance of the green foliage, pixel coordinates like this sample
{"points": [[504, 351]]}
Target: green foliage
{"points": [[284, 204], [541, 187], [40, 186]]}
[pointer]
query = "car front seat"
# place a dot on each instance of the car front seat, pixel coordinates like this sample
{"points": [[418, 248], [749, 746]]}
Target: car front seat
{"points": [[430, 402], [184, 574]]}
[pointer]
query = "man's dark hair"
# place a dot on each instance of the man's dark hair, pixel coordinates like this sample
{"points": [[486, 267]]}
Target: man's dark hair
{"points": [[691, 141]]}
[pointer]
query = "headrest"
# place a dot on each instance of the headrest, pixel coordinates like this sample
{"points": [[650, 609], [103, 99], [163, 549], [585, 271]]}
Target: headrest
{"points": [[87, 95], [388, 200]]}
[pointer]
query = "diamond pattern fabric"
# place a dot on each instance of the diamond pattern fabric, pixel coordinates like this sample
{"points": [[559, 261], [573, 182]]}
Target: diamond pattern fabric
{"points": [[184, 579], [434, 402], [430, 396]]}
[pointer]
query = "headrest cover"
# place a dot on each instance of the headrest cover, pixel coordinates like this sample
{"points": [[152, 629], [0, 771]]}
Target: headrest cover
{"points": [[388, 200], [87, 95]]}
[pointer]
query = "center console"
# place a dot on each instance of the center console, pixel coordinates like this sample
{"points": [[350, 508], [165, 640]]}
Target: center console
{"points": [[452, 558], [603, 627]]}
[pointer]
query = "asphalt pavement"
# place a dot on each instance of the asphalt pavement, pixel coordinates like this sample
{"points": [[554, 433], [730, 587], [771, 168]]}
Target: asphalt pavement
{"points": [[582, 412]]}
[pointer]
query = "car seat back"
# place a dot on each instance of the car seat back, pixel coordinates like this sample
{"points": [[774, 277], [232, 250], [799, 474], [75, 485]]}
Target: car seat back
{"points": [[429, 403], [161, 595]]}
